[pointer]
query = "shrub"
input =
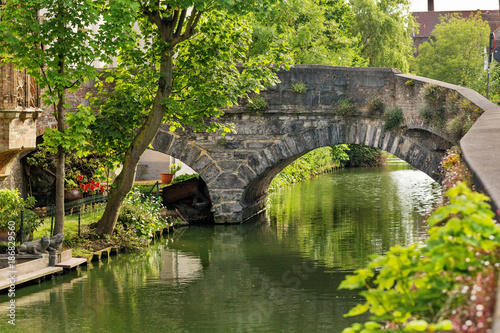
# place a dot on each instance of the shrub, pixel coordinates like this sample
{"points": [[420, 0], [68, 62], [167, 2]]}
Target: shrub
{"points": [[458, 125], [440, 285], [393, 118], [410, 83], [183, 178], [257, 103], [11, 205], [434, 117], [454, 170], [141, 214], [376, 107], [434, 95], [299, 87], [345, 107], [363, 156]]}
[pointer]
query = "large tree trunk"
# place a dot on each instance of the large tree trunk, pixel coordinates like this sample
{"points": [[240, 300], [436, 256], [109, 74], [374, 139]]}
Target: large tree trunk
{"points": [[124, 181], [60, 172]]}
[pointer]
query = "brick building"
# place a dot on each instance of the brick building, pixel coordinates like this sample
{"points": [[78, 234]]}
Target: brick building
{"points": [[428, 20]]}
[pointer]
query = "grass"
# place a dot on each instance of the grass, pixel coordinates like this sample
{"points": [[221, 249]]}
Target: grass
{"points": [[90, 214]]}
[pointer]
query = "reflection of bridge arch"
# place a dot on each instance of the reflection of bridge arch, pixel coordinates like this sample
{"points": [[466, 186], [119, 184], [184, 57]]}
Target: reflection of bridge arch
{"points": [[239, 167]]}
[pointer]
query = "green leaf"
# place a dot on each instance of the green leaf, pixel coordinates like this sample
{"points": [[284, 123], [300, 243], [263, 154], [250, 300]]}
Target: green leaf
{"points": [[416, 326]]}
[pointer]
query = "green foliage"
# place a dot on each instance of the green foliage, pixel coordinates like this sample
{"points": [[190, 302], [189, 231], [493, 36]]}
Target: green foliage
{"points": [[384, 28], [446, 108], [256, 103], [455, 54], [393, 118], [11, 205], [410, 83], [421, 287], [183, 178], [141, 214], [313, 32], [481, 83], [311, 164], [434, 111], [299, 87], [89, 166], [345, 107], [376, 107], [363, 156]]}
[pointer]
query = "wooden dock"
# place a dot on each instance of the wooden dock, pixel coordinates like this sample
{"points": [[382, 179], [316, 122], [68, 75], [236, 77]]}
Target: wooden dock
{"points": [[72, 263], [32, 276], [104, 253]]}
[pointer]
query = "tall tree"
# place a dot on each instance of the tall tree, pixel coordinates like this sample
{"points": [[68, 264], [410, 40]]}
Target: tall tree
{"points": [[455, 51], [189, 49], [54, 41], [315, 31], [384, 28]]}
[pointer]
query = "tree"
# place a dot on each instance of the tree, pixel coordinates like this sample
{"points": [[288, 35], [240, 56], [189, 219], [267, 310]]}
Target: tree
{"points": [[316, 32], [58, 50], [384, 28], [455, 51], [187, 50]]}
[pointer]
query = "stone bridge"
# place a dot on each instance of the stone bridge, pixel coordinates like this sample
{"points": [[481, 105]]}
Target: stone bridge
{"points": [[239, 167]]}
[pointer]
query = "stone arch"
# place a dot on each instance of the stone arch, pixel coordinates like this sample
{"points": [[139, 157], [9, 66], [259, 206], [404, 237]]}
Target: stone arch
{"points": [[411, 146], [189, 153]]}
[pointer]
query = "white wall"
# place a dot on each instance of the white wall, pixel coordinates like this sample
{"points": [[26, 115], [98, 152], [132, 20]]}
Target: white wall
{"points": [[152, 163]]}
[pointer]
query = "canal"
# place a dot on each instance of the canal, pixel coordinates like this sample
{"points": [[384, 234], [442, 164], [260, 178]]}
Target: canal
{"points": [[277, 273]]}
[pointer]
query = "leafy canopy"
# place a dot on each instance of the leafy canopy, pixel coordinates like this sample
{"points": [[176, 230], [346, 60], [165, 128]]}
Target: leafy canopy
{"points": [[384, 28], [211, 71], [455, 52], [315, 32]]}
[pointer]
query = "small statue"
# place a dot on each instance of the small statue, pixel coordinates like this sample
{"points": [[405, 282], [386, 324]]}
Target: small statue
{"points": [[55, 242], [35, 247]]}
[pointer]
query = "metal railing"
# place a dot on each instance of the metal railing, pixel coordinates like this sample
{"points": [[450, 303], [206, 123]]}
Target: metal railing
{"points": [[89, 205]]}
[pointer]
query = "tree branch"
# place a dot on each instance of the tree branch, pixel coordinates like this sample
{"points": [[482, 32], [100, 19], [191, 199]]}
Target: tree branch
{"points": [[180, 23]]}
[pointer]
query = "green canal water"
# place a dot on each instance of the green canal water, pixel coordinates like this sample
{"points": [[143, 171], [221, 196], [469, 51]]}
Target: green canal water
{"points": [[277, 273]]}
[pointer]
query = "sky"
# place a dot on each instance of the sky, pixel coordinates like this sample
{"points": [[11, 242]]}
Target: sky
{"points": [[440, 5]]}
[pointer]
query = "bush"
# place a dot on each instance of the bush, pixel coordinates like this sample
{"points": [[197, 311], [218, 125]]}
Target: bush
{"points": [[299, 87], [141, 215], [311, 164], [183, 178], [441, 285], [363, 156], [257, 103], [393, 118], [345, 107], [376, 107], [11, 205]]}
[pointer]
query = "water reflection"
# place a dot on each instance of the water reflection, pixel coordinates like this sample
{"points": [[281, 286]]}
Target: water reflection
{"points": [[279, 272]]}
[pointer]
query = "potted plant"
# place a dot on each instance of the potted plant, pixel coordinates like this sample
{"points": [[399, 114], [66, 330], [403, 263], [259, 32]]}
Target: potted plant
{"points": [[72, 191], [166, 178]]}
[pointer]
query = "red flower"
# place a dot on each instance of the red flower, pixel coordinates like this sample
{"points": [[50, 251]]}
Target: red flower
{"points": [[92, 187], [80, 177], [92, 181], [83, 187], [97, 184], [102, 188]]}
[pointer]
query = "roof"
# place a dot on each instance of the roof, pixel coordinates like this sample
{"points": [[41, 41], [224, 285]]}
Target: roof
{"points": [[428, 20]]}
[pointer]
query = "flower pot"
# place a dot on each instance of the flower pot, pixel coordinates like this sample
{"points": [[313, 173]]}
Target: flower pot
{"points": [[72, 194], [4, 235], [166, 178]]}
